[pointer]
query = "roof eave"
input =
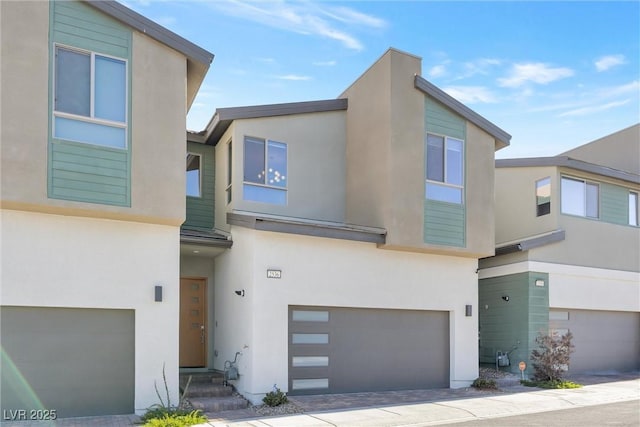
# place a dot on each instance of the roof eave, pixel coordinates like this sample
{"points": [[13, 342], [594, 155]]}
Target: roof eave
{"points": [[502, 138]]}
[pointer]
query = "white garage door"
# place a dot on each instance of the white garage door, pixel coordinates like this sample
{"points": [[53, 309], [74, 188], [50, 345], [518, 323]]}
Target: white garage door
{"points": [[79, 362], [604, 340], [339, 350]]}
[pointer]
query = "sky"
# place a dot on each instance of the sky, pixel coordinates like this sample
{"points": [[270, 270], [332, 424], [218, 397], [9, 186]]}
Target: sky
{"points": [[554, 75]]}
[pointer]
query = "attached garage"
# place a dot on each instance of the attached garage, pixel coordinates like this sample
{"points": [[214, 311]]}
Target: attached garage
{"points": [[79, 362], [340, 350], [604, 340]]}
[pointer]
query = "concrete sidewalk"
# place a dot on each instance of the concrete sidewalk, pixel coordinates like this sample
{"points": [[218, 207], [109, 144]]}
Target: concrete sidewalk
{"points": [[407, 408]]}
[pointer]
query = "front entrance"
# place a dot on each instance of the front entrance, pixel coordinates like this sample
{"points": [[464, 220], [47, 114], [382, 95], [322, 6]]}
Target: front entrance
{"points": [[193, 312]]}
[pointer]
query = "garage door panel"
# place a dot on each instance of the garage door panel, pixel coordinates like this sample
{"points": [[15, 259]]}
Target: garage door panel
{"points": [[377, 349], [77, 361]]}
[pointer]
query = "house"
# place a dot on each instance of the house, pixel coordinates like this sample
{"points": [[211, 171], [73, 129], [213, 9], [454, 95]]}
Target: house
{"points": [[567, 256], [94, 102], [334, 244]]}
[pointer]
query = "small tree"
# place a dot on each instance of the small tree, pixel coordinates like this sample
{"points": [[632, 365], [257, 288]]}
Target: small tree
{"points": [[551, 359]]}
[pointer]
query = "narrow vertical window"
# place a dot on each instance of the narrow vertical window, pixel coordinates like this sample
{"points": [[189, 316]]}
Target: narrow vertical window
{"points": [[543, 196], [633, 209], [194, 185], [444, 165], [229, 170]]}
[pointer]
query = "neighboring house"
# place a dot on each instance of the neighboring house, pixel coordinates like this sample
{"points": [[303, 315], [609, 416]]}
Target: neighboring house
{"points": [[567, 256], [334, 244], [94, 102]]}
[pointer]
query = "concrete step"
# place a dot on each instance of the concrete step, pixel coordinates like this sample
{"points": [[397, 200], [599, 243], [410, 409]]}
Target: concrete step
{"points": [[208, 390], [211, 377], [218, 404]]}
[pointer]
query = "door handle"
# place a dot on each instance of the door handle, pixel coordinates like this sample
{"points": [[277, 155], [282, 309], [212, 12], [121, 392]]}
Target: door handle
{"points": [[202, 334]]}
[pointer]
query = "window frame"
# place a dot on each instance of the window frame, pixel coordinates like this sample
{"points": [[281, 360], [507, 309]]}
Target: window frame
{"points": [[635, 194], [200, 163], [445, 167], [229, 171], [92, 89], [542, 212], [265, 184], [586, 183]]}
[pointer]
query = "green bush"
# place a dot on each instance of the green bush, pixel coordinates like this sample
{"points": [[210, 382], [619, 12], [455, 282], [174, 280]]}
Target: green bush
{"points": [[177, 418], [275, 398], [484, 384], [551, 384]]}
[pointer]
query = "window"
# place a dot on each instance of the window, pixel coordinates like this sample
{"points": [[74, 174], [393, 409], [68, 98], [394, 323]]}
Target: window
{"points": [[579, 197], [543, 196], [229, 170], [194, 186], [445, 166], [265, 171], [633, 208], [90, 98]]}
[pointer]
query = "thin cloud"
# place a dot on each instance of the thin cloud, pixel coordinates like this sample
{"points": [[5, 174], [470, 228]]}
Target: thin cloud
{"points": [[324, 63], [307, 18], [633, 87], [293, 77], [606, 62], [471, 94], [584, 111], [536, 72], [480, 66], [437, 71]]}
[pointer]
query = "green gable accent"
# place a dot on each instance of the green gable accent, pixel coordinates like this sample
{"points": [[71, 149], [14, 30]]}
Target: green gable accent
{"points": [[513, 323], [79, 171], [200, 209], [442, 121], [614, 204], [444, 223]]}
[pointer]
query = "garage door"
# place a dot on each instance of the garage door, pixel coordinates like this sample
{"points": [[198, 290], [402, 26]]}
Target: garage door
{"points": [[79, 362], [339, 350], [604, 340]]}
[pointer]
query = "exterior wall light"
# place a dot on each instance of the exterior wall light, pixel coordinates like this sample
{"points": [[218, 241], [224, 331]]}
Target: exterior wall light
{"points": [[468, 310], [240, 293], [505, 297]]}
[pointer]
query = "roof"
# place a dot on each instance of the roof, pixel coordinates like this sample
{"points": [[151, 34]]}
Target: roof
{"points": [[530, 243], [198, 59], [503, 139], [305, 227], [223, 117], [205, 238], [568, 162]]}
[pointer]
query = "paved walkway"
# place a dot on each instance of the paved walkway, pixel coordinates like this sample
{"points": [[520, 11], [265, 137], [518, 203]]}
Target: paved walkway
{"points": [[410, 408]]}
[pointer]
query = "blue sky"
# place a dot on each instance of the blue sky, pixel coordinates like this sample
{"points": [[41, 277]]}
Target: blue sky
{"points": [[554, 75]]}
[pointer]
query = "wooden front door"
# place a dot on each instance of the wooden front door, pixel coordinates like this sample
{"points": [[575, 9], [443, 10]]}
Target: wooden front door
{"points": [[193, 337]]}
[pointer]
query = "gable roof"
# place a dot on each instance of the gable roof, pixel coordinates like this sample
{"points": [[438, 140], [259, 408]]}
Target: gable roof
{"points": [[198, 59], [223, 117], [503, 139]]}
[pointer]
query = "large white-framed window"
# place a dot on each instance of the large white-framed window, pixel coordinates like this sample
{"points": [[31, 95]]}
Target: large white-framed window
{"points": [[194, 175], [543, 196], [633, 209], [580, 197], [89, 97], [265, 171], [444, 168]]}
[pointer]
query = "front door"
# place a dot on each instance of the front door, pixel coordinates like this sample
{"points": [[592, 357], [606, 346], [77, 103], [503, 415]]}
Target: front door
{"points": [[192, 323]]}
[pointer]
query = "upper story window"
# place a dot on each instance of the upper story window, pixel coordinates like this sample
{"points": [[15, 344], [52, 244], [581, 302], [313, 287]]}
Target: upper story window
{"points": [[90, 98], [579, 197], [633, 208], [543, 196], [229, 170], [265, 171], [194, 182], [445, 168]]}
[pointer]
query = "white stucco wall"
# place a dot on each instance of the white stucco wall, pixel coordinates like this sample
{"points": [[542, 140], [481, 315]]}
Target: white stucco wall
{"points": [[62, 261], [330, 272]]}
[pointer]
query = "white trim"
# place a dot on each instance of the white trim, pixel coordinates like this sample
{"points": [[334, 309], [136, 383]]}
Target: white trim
{"points": [[553, 268]]}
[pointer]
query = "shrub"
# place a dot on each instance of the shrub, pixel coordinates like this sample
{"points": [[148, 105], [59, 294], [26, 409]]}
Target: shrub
{"points": [[275, 397], [551, 359], [176, 419], [484, 384], [551, 384]]}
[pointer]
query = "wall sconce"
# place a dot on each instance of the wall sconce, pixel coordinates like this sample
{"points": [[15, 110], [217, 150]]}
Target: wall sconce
{"points": [[505, 297], [540, 282], [467, 310], [240, 293], [158, 293]]}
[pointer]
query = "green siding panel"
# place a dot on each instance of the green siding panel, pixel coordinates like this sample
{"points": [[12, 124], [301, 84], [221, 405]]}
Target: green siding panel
{"points": [[614, 204], [200, 210], [85, 172], [440, 120], [444, 223], [512, 325]]}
